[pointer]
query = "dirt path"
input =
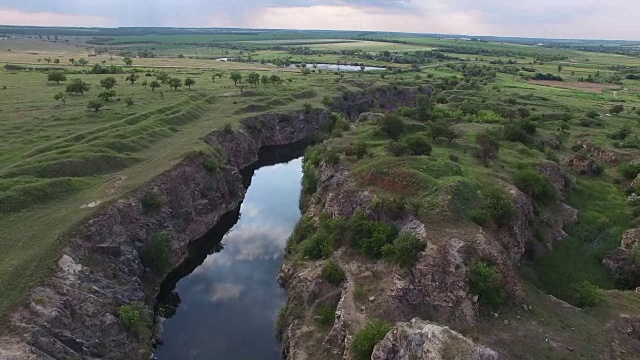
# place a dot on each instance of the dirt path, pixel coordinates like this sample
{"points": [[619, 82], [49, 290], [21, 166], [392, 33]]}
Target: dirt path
{"points": [[352, 315]]}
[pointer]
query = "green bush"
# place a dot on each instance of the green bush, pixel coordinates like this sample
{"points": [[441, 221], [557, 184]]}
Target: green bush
{"points": [[156, 253], [398, 148], [327, 101], [391, 126], [404, 250], [325, 315], [497, 208], [133, 316], [211, 164], [366, 339], [371, 236], [535, 184], [151, 202], [585, 294], [418, 145], [332, 157], [485, 282], [333, 273], [316, 247], [309, 182], [359, 150], [629, 171]]}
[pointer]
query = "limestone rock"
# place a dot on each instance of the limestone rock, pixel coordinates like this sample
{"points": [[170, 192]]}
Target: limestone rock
{"points": [[553, 172], [421, 340], [630, 239]]}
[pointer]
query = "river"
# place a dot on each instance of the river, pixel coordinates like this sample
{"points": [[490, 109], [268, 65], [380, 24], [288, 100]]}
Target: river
{"points": [[226, 292]]}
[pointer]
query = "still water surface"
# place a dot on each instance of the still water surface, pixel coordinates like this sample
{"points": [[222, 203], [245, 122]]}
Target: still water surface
{"points": [[229, 303]]}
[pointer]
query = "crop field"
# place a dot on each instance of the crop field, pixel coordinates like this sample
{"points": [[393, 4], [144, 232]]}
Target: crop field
{"points": [[61, 160]]}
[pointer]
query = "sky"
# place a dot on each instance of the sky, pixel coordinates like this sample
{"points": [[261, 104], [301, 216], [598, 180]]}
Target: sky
{"points": [[585, 19]]}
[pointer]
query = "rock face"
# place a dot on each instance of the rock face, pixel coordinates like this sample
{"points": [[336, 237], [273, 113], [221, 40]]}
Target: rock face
{"points": [[624, 266], [388, 98], [74, 314], [553, 172], [602, 155], [583, 165], [630, 239], [421, 340]]}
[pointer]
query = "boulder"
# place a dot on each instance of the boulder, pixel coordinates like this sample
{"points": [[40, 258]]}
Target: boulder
{"points": [[630, 239], [422, 340], [624, 266]]}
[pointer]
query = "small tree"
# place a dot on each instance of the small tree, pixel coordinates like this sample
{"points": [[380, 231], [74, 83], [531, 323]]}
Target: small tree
{"points": [[57, 76], [132, 78], [163, 77], [188, 82], [106, 95], [306, 71], [560, 67], [265, 80], [488, 146], [56, 61], [253, 79], [127, 61], [154, 84], [48, 60], [83, 61], [95, 104], [60, 96], [236, 77], [275, 80], [108, 82], [145, 83], [129, 101], [77, 86], [216, 75], [391, 126], [72, 61], [175, 83]]}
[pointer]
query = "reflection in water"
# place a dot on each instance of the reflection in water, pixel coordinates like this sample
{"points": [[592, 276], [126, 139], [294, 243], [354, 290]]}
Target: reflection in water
{"points": [[229, 303]]}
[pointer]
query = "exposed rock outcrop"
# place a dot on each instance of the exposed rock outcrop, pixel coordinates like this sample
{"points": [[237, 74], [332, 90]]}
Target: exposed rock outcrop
{"points": [[421, 340], [583, 165], [630, 239], [602, 155], [624, 265], [553, 172]]}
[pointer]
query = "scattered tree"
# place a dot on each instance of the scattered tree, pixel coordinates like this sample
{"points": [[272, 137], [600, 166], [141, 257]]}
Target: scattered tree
{"points": [[175, 83], [60, 96], [216, 75], [236, 77], [265, 80], [275, 80], [83, 61], [127, 61], [72, 61], [253, 79], [48, 60], [129, 101], [560, 67], [132, 78], [56, 76], [56, 61], [306, 71], [95, 104], [188, 82], [154, 84], [77, 86], [108, 82], [488, 145], [145, 83], [163, 77], [106, 95]]}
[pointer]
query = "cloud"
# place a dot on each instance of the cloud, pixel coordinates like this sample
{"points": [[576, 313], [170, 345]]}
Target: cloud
{"points": [[42, 18], [224, 292]]}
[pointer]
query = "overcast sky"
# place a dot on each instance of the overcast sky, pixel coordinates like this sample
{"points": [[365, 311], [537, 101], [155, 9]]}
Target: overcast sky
{"points": [[598, 19]]}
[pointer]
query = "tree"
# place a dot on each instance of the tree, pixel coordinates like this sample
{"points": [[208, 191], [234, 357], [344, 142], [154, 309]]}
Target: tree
{"points": [[253, 79], [391, 125], [57, 76], [488, 145], [306, 71], [127, 61], [275, 80], [132, 78], [145, 83], [188, 82], [77, 86], [108, 82], [216, 75], [236, 77], [56, 61], [560, 67], [163, 77], [175, 83], [616, 109], [72, 61], [83, 61], [60, 96], [106, 95], [153, 85], [265, 80], [48, 60], [95, 104], [129, 101]]}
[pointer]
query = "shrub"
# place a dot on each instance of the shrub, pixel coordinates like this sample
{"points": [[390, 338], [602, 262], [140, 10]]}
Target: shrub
{"points": [[417, 145], [340, 124], [551, 156], [309, 182], [325, 315], [629, 171], [535, 184], [333, 273], [327, 101], [228, 128], [371, 236], [332, 157], [497, 208], [95, 105], [404, 250], [129, 101], [133, 316], [156, 253], [307, 108], [454, 158], [391, 126], [366, 339], [585, 294], [398, 148], [359, 150], [316, 247], [616, 109], [151, 202], [485, 282], [211, 164], [592, 114], [620, 134]]}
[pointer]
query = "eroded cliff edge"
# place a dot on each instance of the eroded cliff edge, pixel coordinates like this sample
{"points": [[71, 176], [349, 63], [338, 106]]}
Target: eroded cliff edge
{"points": [[74, 314]]}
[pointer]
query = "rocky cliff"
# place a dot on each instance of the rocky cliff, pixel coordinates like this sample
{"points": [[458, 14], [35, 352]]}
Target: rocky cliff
{"points": [[75, 313]]}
